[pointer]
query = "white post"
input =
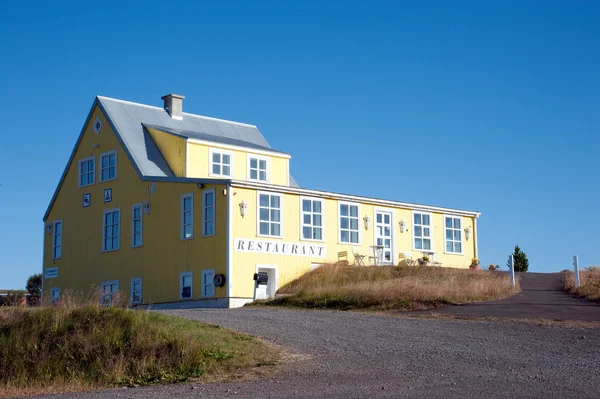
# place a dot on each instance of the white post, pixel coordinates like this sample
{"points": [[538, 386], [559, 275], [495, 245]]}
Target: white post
{"points": [[576, 270], [511, 265]]}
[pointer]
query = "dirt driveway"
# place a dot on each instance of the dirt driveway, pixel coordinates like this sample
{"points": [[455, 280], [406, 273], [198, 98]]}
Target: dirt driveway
{"points": [[541, 296]]}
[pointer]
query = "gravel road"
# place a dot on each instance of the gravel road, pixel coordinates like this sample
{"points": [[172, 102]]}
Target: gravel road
{"points": [[356, 355]]}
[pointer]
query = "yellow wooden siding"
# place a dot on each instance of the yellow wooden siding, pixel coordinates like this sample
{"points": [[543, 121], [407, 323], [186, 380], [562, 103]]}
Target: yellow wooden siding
{"points": [[173, 149], [163, 255], [199, 164], [290, 267]]}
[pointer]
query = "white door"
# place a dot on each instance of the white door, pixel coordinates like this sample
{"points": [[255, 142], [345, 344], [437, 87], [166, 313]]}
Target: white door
{"points": [[383, 236], [268, 290]]}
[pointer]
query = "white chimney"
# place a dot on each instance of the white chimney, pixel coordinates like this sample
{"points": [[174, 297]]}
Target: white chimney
{"points": [[174, 105]]}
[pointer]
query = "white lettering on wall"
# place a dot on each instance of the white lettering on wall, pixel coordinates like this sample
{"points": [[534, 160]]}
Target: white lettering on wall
{"points": [[279, 248]]}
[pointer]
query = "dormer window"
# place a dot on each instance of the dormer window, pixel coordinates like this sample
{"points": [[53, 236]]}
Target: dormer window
{"points": [[221, 163], [258, 168]]}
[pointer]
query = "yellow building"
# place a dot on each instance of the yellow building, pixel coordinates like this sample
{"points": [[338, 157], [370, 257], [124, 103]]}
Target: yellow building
{"points": [[181, 210]]}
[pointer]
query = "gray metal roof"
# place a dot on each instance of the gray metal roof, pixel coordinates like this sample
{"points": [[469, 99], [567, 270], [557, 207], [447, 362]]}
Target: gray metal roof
{"points": [[214, 139]]}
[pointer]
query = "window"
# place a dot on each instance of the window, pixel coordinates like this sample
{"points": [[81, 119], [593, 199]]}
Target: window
{"points": [[108, 166], [109, 292], [311, 219], [86, 172], [136, 291], [258, 168], [349, 231], [136, 226], [208, 285], [208, 214], [111, 234], [422, 231], [220, 163], [187, 216], [54, 295], [185, 282], [56, 239], [269, 214], [453, 235]]}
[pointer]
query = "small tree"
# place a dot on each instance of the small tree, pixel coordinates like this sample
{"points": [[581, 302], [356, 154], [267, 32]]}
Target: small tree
{"points": [[34, 288], [521, 263]]}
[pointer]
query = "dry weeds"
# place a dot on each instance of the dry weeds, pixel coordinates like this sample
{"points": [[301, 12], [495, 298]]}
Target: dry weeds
{"points": [[378, 287], [589, 283]]}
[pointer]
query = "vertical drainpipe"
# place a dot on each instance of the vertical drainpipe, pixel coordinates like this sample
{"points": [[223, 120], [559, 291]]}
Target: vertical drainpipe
{"points": [[229, 245], [43, 256], [475, 237]]}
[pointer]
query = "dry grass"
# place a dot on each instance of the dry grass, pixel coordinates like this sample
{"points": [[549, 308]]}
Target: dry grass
{"points": [[589, 283], [75, 346], [377, 287]]}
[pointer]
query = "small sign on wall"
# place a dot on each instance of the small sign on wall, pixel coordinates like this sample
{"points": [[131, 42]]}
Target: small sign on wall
{"points": [[108, 195], [86, 200], [51, 272]]}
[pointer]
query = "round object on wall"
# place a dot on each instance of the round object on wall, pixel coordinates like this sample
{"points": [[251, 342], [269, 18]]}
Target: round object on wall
{"points": [[219, 280]]}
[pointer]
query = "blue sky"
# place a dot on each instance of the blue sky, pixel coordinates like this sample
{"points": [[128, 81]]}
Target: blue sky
{"points": [[488, 106]]}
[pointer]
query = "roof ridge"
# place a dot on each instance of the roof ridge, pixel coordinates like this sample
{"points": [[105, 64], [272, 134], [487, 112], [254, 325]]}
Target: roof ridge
{"points": [[186, 113]]}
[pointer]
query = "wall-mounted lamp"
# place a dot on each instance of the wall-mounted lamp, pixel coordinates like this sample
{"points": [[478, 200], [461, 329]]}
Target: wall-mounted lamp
{"points": [[468, 232], [147, 208], [402, 226], [243, 208], [49, 228], [367, 221]]}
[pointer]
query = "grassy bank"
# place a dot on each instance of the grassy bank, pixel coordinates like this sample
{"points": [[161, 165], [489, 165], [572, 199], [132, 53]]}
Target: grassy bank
{"points": [[589, 283], [75, 347], [377, 287]]}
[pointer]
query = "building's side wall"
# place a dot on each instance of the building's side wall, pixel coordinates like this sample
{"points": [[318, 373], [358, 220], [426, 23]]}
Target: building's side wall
{"points": [[163, 255], [291, 267], [173, 149], [199, 162]]}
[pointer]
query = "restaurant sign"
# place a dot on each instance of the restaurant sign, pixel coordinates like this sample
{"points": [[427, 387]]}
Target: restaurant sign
{"points": [[279, 247]]}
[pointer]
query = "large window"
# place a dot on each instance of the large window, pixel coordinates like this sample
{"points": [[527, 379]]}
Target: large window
{"points": [[311, 218], [108, 166], [422, 231], [187, 216], [136, 291], [208, 285], [208, 214], [269, 214], [111, 231], [185, 282], [86, 172], [453, 235], [258, 168], [349, 230], [220, 163], [109, 292], [56, 239], [136, 225]]}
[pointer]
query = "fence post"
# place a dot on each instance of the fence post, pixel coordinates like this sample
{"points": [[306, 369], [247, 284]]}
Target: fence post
{"points": [[576, 270], [511, 265]]}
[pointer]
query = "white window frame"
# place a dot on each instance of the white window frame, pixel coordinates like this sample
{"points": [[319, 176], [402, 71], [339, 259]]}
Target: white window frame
{"points": [[460, 229], [211, 152], [135, 280], [430, 237], [112, 292], [182, 215], [93, 172], [52, 291], [259, 158], [54, 246], [181, 277], [104, 230], [312, 213], [106, 154], [258, 221], [339, 221], [133, 220], [212, 283], [204, 215]]}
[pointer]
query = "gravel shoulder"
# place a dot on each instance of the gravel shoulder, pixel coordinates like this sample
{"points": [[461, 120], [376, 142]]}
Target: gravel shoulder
{"points": [[354, 355]]}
